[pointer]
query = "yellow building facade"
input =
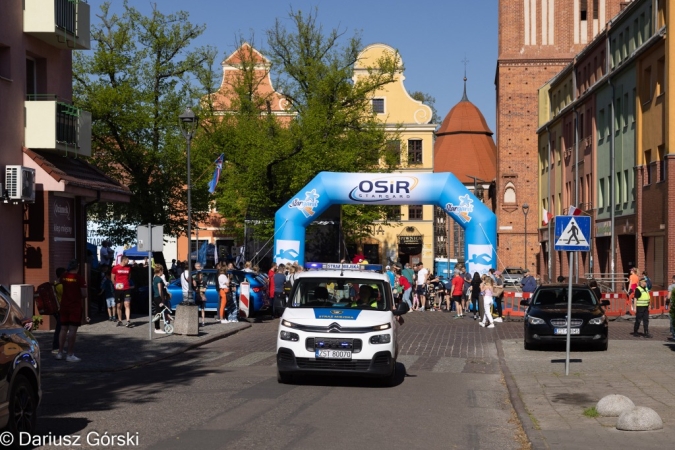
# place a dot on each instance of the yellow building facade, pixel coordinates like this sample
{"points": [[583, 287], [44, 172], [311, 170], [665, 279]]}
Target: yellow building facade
{"points": [[408, 120]]}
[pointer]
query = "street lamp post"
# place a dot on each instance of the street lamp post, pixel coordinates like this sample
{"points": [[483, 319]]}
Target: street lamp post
{"points": [[526, 209], [188, 123]]}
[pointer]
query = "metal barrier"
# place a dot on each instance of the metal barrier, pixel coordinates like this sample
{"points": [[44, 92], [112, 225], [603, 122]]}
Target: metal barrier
{"points": [[512, 305], [621, 304]]}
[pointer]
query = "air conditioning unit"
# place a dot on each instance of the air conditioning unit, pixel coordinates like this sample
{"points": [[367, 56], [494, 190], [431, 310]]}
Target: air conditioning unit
{"points": [[20, 183]]}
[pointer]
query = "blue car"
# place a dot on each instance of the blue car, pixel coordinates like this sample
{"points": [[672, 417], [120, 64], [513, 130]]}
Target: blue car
{"points": [[259, 301]]}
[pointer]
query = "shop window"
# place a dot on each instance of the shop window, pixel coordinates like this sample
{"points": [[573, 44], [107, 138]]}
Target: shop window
{"points": [[415, 151]]}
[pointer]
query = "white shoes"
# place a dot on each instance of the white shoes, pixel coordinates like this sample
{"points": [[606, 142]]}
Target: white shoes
{"points": [[224, 321], [481, 324], [59, 356], [160, 331], [492, 325], [72, 358], [498, 319]]}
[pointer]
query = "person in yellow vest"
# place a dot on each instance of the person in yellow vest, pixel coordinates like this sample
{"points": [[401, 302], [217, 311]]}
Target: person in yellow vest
{"points": [[365, 297], [641, 297]]}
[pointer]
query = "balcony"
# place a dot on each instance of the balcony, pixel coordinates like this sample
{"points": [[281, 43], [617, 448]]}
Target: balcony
{"points": [[54, 125], [60, 23]]}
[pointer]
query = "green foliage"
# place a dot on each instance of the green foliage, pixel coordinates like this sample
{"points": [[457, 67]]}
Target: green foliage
{"points": [[37, 321], [331, 126], [139, 77], [591, 412]]}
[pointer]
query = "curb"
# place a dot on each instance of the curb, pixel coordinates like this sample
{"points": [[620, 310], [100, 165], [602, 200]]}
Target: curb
{"points": [[178, 351], [534, 435]]}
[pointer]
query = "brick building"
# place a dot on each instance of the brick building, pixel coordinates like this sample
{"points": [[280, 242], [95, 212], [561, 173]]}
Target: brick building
{"points": [[537, 39], [604, 147]]}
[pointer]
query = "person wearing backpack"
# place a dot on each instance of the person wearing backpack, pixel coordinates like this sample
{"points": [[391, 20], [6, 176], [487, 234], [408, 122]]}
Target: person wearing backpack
{"points": [[649, 282]]}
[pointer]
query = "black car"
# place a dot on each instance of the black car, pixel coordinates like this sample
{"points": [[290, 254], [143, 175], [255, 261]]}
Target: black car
{"points": [[546, 317], [20, 389]]}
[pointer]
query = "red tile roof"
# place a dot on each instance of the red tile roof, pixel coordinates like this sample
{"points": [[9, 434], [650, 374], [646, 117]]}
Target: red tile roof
{"points": [[464, 144]]}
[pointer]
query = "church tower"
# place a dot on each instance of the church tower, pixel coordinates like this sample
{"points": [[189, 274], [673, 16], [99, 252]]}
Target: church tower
{"points": [[537, 38]]}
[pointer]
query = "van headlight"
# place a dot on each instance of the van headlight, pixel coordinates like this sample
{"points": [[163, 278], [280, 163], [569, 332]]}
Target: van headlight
{"points": [[597, 320], [380, 339], [288, 336], [288, 324], [535, 320]]}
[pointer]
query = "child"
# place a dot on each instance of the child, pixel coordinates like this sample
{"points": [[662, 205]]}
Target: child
{"points": [[108, 292]]}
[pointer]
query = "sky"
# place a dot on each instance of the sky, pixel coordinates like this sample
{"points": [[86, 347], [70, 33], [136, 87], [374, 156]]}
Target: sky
{"points": [[432, 37]]}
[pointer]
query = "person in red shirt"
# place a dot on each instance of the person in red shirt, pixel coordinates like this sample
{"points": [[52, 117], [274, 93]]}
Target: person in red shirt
{"points": [[120, 275], [457, 286], [270, 278], [407, 289], [74, 293]]}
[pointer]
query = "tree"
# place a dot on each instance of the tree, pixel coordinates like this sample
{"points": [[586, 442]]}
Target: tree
{"points": [[334, 128], [139, 78]]}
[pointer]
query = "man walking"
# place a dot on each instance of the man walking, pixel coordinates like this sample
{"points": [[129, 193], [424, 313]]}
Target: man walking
{"points": [[120, 277], [422, 275], [528, 283], [72, 299], [641, 298]]}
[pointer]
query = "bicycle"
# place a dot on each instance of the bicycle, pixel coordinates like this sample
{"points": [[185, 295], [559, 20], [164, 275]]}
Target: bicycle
{"points": [[165, 316]]}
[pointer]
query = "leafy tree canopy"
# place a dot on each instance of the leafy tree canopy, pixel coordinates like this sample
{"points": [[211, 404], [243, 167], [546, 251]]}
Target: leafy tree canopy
{"points": [[140, 76]]}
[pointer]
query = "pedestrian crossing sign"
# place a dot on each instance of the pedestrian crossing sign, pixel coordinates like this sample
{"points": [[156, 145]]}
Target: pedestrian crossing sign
{"points": [[572, 233]]}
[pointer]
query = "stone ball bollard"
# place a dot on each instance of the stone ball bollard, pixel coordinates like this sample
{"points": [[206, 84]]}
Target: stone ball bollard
{"points": [[639, 418], [613, 405]]}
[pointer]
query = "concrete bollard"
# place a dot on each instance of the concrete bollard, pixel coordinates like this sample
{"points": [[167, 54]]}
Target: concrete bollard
{"points": [[613, 405], [639, 418], [187, 320]]}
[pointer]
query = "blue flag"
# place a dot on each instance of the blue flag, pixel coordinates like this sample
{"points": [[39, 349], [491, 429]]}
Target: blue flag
{"points": [[216, 175]]}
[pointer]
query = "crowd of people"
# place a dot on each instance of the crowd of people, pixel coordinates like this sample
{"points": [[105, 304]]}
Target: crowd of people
{"points": [[465, 294]]}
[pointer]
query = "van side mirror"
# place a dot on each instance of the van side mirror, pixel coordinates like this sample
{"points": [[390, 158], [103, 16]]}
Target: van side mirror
{"points": [[402, 309]]}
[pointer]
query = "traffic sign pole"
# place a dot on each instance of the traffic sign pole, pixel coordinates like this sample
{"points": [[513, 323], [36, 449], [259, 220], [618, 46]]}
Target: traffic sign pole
{"points": [[569, 318]]}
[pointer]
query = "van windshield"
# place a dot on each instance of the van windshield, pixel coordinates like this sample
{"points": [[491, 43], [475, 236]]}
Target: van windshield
{"points": [[342, 293]]}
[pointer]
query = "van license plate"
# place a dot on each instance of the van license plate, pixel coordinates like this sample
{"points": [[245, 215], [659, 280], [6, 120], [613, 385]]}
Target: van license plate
{"points": [[334, 354], [564, 331]]}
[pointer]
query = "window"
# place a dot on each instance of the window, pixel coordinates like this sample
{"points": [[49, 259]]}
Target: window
{"points": [[31, 74], [624, 118], [5, 62], [378, 105], [595, 9], [601, 197], [617, 115], [660, 77], [457, 240], [415, 212], [415, 151], [393, 151], [642, 28], [601, 124], [624, 192], [581, 126], [662, 163], [617, 192], [647, 85], [607, 192], [648, 167], [584, 10], [621, 49], [394, 212], [633, 111]]}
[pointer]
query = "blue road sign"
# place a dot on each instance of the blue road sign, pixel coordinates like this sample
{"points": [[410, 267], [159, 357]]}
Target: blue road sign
{"points": [[572, 233]]}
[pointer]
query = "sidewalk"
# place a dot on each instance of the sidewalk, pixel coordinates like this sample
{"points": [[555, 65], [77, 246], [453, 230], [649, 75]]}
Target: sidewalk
{"points": [[104, 347], [554, 403]]}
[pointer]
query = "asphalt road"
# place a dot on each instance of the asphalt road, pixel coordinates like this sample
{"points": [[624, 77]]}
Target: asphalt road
{"points": [[450, 394]]}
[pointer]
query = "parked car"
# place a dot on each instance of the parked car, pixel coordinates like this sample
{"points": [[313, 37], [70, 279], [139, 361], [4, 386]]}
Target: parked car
{"points": [[546, 317], [20, 389], [259, 301], [512, 276]]}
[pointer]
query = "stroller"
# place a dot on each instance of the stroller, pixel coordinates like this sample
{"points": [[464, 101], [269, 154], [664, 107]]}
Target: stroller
{"points": [[165, 316]]}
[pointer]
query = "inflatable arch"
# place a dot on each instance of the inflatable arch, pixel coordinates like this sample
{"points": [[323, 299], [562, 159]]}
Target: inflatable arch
{"points": [[442, 189]]}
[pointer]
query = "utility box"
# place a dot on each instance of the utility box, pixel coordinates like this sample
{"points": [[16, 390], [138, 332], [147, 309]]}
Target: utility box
{"points": [[22, 294]]}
